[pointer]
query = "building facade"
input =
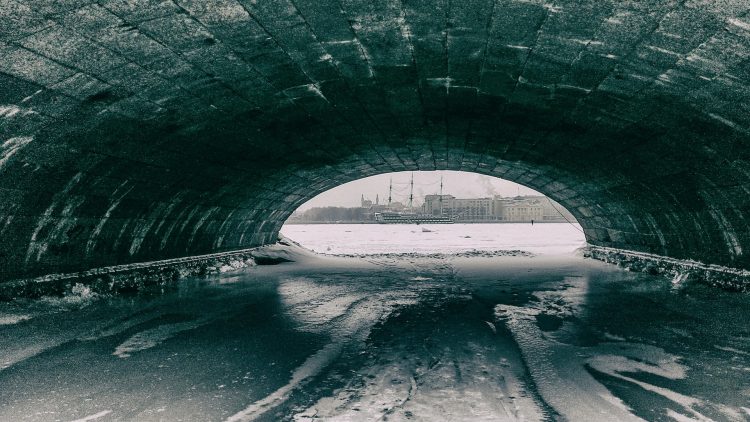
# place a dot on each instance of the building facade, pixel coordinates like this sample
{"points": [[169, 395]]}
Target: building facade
{"points": [[511, 209], [461, 209]]}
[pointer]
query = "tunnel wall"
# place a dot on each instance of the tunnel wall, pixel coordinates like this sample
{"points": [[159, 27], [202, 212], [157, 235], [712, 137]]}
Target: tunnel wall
{"points": [[151, 130]]}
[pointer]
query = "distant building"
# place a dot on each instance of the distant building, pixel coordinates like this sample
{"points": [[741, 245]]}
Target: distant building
{"points": [[376, 207], [498, 208], [437, 204], [520, 208], [469, 209], [517, 209]]}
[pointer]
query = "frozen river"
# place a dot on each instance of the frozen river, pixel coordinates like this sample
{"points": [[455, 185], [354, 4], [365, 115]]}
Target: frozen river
{"points": [[396, 338], [336, 239]]}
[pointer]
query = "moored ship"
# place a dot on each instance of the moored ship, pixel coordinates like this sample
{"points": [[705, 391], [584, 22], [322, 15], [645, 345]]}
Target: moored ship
{"points": [[411, 218]]}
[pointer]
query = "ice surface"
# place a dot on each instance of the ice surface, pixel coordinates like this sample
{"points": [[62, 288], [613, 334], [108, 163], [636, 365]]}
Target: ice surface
{"points": [[94, 417], [311, 367], [337, 239], [154, 336], [394, 336], [558, 372]]}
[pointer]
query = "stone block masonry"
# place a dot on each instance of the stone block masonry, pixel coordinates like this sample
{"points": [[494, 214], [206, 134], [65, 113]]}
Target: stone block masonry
{"points": [[677, 270], [131, 278], [142, 131]]}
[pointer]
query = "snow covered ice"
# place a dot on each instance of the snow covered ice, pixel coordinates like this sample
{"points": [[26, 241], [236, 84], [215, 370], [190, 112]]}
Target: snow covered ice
{"points": [[368, 239], [420, 334]]}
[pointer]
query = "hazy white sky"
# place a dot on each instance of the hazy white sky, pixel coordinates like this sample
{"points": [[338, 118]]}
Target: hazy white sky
{"points": [[457, 183]]}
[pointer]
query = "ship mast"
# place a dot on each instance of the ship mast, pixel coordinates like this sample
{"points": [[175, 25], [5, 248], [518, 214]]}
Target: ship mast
{"points": [[390, 191], [411, 193], [440, 198]]}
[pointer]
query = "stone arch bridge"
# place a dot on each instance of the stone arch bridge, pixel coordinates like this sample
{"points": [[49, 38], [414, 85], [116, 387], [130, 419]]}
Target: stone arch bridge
{"points": [[139, 130]]}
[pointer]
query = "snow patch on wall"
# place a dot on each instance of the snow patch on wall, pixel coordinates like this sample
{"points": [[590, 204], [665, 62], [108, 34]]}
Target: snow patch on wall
{"points": [[732, 242], [10, 111], [222, 228], [11, 147], [200, 223], [118, 197], [739, 24], [58, 232], [315, 90], [171, 227], [13, 319], [662, 50], [651, 221], [139, 235], [725, 121], [167, 210], [8, 221], [119, 236], [60, 224]]}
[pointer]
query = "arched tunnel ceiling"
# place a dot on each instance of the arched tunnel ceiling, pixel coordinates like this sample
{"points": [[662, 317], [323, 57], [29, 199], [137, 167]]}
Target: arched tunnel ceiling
{"points": [[135, 130]]}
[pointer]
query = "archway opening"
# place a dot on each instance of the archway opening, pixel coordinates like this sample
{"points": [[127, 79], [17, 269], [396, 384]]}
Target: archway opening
{"points": [[427, 212]]}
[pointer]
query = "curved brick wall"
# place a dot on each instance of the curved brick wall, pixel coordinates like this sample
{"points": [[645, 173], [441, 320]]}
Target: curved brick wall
{"points": [[133, 131]]}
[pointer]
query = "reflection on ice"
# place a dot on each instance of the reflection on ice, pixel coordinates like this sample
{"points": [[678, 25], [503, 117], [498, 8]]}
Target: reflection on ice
{"points": [[313, 366], [634, 358], [392, 337], [152, 337], [559, 373], [94, 417]]}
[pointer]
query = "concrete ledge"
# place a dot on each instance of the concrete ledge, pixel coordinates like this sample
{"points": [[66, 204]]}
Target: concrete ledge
{"points": [[133, 277], [678, 270]]}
